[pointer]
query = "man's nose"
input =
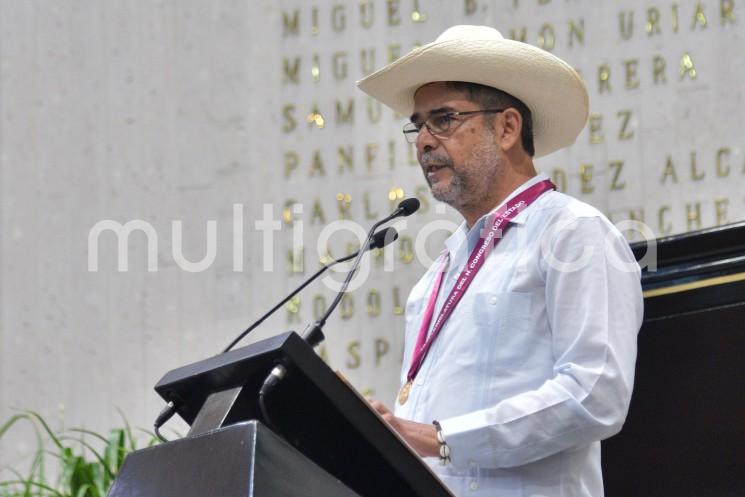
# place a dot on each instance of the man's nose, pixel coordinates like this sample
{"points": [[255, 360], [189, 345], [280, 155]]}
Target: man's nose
{"points": [[425, 140]]}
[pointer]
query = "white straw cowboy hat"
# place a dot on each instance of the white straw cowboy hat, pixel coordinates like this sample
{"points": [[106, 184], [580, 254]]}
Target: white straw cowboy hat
{"points": [[552, 90]]}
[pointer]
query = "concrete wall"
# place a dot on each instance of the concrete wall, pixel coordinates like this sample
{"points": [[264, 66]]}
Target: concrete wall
{"points": [[178, 110]]}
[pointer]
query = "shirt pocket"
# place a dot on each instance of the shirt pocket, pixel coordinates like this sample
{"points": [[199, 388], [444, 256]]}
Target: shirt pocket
{"points": [[502, 312], [515, 309]]}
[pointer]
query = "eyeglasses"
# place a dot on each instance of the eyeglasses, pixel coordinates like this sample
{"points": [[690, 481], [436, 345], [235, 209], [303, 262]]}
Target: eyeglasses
{"points": [[439, 124]]}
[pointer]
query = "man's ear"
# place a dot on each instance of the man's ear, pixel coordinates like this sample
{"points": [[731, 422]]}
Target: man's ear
{"points": [[510, 132]]}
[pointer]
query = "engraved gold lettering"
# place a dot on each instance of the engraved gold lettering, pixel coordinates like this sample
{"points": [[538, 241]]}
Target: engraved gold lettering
{"points": [[339, 63], [637, 215], [394, 16], [315, 118], [374, 110], [687, 67], [617, 167], [367, 14], [293, 310], [344, 202], [317, 214], [371, 153], [338, 18], [382, 346], [576, 31], [723, 169], [653, 21], [699, 18], [291, 70], [289, 119], [296, 260], [373, 302], [314, 26], [377, 256], [604, 78], [625, 133], [626, 24], [595, 126], [469, 7], [669, 171], [367, 61], [521, 36], [345, 116], [395, 194], [315, 70], [727, 11], [319, 307], [559, 178], [354, 360], [676, 24], [290, 23], [416, 14], [369, 214], [394, 52], [411, 155], [292, 160], [347, 306], [696, 175], [658, 70], [632, 78], [585, 177], [720, 206], [398, 309], [288, 217], [316, 166], [663, 227], [547, 37], [405, 249], [693, 216], [345, 158]]}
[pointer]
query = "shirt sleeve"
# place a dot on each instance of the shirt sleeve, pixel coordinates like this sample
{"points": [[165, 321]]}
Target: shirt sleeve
{"points": [[594, 308]]}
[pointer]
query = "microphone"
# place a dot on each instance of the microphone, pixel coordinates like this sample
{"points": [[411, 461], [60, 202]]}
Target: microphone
{"points": [[379, 240], [408, 206], [314, 333]]}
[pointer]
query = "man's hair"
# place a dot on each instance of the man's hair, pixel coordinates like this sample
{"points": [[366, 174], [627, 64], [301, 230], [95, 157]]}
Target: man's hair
{"points": [[491, 98]]}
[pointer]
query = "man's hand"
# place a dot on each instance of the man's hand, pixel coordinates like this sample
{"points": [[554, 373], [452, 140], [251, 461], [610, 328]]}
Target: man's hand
{"points": [[421, 437]]}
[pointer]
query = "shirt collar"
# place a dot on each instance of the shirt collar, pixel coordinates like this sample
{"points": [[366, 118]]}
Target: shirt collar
{"points": [[462, 233]]}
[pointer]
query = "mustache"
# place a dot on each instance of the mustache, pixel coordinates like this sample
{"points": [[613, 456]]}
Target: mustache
{"points": [[432, 159]]}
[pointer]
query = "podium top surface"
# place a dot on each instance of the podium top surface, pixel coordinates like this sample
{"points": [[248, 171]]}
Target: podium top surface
{"points": [[313, 409]]}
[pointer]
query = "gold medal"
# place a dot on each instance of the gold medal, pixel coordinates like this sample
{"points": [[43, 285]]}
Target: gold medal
{"points": [[403, 395]]}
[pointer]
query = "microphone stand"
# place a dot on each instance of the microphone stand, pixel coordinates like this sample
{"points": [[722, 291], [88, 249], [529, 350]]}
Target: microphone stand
{"points": [[314, 333]]}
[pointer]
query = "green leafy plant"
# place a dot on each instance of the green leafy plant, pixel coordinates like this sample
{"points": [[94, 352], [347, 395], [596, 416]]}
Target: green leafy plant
{"points": [[87, 462]]}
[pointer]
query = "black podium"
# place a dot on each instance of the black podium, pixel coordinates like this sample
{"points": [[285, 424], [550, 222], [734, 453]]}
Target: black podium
{"points": [[328, 441]]}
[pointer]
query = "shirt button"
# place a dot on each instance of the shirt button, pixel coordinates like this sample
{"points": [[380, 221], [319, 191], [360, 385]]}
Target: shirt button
{"points": [[471, 464], [420, 381], [493, 300], [474, 485]]}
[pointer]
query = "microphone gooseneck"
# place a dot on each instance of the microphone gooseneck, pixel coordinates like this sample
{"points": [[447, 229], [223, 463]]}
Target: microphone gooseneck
{"points": [[314, 333], [379, 240]]}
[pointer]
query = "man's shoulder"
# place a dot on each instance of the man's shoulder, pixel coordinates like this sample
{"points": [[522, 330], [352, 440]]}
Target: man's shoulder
{"points": [[560, 207]]}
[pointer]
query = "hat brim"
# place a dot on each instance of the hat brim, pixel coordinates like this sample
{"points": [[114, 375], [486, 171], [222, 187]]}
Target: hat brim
{"points": [[552, 90]]}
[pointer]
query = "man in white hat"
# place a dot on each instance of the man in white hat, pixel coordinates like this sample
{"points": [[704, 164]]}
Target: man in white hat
{"points": [[521, 339]]}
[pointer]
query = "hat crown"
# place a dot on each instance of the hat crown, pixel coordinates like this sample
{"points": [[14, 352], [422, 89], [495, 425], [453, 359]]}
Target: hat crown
{"points": [[469, 32]]}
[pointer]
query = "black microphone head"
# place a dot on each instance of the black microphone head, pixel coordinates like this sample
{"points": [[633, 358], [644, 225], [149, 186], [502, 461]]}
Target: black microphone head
{"points": [[383, 238], [409, 206]]}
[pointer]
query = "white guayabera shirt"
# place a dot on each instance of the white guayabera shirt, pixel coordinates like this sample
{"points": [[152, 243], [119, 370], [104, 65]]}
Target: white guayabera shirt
{"points": [[536, 363]]}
